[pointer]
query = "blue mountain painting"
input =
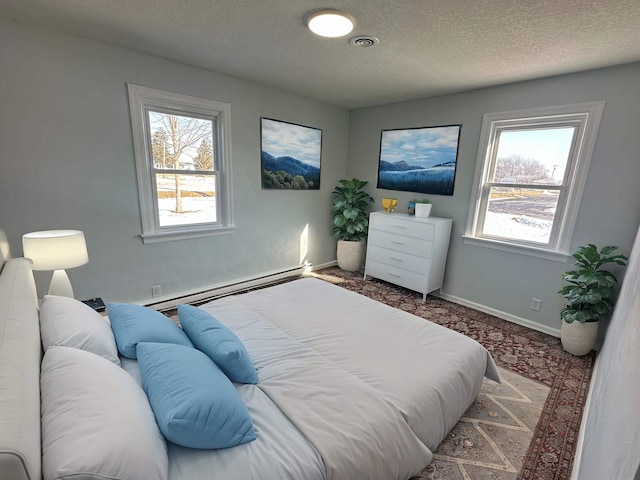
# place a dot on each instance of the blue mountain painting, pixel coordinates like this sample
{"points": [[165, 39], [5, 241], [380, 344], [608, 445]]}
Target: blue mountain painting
{"points": [[288, 173], [438, 180], [419, 160]]}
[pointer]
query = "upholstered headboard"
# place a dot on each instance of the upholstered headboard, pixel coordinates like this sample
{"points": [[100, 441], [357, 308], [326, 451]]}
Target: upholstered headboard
{"points": [[4, 248], [20, 356]]}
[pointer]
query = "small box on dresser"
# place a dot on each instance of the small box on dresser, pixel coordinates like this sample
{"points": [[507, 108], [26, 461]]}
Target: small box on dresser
{"points": [[408, 251]]}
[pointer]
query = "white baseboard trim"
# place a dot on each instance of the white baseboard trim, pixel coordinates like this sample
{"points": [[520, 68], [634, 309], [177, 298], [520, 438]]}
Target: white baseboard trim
{"points": [[585, 414], [215, 291], [324, 265], [503, 315]]}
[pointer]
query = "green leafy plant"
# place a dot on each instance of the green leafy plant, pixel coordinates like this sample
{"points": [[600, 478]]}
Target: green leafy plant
{"points": [[350, 204], [421, 200], [589, 291]]}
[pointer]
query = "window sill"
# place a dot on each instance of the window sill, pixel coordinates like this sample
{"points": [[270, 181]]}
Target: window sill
{"points": [[546, 254], [168, 236]]}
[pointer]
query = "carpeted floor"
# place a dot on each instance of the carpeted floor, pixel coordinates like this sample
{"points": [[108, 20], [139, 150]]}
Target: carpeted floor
{"points": [[533, 355]]}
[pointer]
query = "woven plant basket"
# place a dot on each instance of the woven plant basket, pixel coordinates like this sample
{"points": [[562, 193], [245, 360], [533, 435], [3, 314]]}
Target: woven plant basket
{"points": [[350, 255], [578, 338]]}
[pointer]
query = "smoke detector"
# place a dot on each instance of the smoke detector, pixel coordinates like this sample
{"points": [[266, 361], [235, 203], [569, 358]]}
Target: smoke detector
{"points": [[364, 41]]}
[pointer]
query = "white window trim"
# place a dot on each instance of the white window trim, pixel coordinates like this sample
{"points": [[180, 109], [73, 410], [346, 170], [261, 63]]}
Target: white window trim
{"points": [[589, 114], [140, 100]]}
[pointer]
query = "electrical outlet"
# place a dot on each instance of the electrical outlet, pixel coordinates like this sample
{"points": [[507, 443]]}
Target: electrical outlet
{"points": [[536, 304], [156, 291]]}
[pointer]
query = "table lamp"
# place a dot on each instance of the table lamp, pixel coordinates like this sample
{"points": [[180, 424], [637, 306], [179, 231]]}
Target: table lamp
{"points": [[56, 250]]}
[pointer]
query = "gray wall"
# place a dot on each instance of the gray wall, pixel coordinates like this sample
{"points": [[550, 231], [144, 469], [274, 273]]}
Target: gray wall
{"points": [[610, 209], [611, 446], [66, 157]]}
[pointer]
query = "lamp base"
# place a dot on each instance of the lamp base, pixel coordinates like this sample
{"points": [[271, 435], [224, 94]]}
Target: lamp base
{"points": [[60, 284]]}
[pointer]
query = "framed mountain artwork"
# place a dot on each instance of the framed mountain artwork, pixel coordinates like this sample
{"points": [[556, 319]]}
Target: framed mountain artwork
{"points": [[290, 155], [421, 160]]}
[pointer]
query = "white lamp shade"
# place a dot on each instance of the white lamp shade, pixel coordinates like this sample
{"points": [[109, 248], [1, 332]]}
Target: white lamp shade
{"points": [[55, 249]]}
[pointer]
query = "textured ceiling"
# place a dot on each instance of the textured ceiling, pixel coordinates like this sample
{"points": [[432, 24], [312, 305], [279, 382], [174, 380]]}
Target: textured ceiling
{"points": [[427, 47]]}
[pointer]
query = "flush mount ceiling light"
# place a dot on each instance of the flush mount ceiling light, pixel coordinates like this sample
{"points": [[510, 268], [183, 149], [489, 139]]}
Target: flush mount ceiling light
{"points": [[330, 23]]}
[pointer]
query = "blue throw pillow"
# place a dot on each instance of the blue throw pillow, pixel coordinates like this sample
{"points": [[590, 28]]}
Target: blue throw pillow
{"points": [[132, 324], [195, 404], [219, 343]]}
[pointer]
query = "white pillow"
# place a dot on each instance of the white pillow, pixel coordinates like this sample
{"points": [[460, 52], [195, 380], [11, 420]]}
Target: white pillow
{"points": [[68, 322], [96, 421]]}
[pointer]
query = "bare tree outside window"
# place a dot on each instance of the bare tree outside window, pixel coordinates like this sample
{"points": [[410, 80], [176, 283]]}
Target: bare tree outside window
{"points": [[174, 145], [521, 169]]}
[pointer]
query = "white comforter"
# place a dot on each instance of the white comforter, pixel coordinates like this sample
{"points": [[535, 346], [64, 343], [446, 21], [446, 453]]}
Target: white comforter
{"points": [[357, 430], [430, 373], [348, 388]]}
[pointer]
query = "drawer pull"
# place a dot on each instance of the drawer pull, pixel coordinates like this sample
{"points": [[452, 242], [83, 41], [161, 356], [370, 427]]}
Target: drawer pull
{"points": [[394, 275], [395, 259], [400, 227], [397, 243]]}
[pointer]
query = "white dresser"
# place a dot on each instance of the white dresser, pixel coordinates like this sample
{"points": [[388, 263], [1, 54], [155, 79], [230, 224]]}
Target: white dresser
{"points": [[407, 250]]}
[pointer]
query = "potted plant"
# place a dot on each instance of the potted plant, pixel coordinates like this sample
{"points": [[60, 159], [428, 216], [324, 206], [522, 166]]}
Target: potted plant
{"points": [[422, 207], [589, 296], [351, 223]]}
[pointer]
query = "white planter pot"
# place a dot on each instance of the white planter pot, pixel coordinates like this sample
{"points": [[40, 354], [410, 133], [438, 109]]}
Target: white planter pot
{"points": [[350, 255], [423, 209], [578, 338]]}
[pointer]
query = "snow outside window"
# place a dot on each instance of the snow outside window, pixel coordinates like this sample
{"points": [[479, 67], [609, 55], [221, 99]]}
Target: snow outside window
{"points": [[530, 173], [182, 149]]}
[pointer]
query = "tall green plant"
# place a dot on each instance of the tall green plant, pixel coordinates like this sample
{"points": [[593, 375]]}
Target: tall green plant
{"points": [[589, 293], [349, 211]]}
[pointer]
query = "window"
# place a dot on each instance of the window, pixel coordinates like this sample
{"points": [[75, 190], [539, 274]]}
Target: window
{"points": [[182, 150], [531, 169]]}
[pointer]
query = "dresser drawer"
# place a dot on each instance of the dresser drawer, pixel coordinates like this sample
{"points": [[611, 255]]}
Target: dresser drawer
{"points": [[400, 243], [400, 226], [404, 278], [403, 261]]}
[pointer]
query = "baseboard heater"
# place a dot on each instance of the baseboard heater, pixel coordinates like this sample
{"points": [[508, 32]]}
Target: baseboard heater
{"points": [[231, 288]]}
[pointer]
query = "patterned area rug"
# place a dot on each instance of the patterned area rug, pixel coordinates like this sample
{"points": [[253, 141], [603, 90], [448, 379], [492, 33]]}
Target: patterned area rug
{"points": [[491, 439], [533, 355]]}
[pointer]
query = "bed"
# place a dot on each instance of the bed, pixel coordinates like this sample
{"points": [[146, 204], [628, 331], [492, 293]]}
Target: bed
{"points": [[347, 388]]}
